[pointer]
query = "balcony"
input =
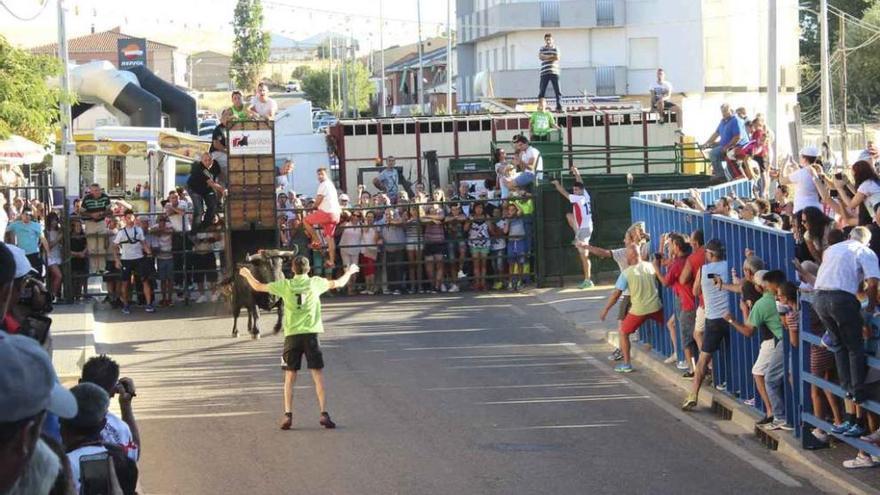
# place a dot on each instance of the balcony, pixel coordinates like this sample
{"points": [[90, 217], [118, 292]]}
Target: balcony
{"points": [[520, 15], [573, 81]]}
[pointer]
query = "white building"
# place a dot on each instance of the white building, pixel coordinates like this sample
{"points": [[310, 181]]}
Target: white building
{"points": [[712, 50]]}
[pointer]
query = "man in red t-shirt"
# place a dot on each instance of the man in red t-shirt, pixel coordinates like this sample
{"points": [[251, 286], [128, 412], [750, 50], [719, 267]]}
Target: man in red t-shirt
{"points": [[695, 261], [686, 305]]}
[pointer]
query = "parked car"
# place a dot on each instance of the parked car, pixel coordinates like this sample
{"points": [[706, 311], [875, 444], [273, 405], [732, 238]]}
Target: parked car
{"points": [[292, 87]]}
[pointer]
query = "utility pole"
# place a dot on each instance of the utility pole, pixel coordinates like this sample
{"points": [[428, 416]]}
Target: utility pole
{"points": [[844, 147], [382, 60], [773, 70], [344, 86], [330, 70], [421, 91], [449, 57], [67, 147], [825, 90]]}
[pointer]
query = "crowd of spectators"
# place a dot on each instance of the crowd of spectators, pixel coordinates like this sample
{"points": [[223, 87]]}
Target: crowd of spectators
{"points": [[55, 440], [834, 219]]}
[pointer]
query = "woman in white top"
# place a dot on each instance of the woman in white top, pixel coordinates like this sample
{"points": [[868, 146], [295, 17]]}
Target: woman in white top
{"points": [[53, 261], [803, 181], [867, 187]]}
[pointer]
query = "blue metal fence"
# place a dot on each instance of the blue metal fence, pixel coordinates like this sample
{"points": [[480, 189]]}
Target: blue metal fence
{"points": [[741, 188], [732, 364]]}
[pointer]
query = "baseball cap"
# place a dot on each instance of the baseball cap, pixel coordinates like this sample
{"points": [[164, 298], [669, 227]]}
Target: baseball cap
{"points": [[810, 151], [28, 383], [92, 404], [343, 197], [22, 265]]}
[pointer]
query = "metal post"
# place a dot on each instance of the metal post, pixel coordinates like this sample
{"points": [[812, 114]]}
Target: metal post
{"points": [[844, 146], [449, 57], [421, 92], [330, 70], [72, 179], [344, 86], [384, 90], [772, 70], [825, 90]]}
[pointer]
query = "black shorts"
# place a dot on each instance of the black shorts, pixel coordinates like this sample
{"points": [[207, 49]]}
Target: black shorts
{"points": [[297, 345], [435, 249], [715, 333], [136, 267]]}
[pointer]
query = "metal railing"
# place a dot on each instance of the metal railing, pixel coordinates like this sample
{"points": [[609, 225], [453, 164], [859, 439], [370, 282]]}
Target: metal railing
{"points": [[741, 188], [409, 273]]}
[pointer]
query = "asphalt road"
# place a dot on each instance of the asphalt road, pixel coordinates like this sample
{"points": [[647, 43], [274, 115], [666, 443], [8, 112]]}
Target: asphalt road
{"points": [[489, 394]]}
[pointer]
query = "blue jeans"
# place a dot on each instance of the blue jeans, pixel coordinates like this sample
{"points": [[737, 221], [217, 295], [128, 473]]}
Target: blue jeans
{"points": [[775, 380], [203, 205], [840, 313], [525, 178], [719, 165]]}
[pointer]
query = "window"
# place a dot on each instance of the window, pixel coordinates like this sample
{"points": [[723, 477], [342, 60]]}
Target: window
{"points": [[605, 12], [643, 53], [504, 57], [512, 57]]}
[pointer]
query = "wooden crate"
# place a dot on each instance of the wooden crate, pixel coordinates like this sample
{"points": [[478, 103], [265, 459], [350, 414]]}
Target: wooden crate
{"points": [[251, 185]]}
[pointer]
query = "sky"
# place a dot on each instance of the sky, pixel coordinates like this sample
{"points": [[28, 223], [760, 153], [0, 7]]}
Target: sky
{"points": [[206, 24]]}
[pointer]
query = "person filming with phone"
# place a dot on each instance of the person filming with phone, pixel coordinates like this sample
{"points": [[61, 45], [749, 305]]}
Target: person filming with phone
{"points": [[104, 372]]}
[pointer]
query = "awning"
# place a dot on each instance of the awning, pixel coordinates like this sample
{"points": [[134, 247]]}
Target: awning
{"points": [[20, 151]]}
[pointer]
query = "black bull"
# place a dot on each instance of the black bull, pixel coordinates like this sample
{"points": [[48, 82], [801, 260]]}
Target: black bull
{"points": [[266, 266]]}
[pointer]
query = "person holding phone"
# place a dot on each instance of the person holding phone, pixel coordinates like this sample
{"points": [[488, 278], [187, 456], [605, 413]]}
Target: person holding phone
{"points": [[302, 325], [104, 372]]}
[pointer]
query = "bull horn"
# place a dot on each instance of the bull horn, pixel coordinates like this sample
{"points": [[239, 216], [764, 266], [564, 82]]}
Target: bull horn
{"points": [[276, 253], [254, 257]]}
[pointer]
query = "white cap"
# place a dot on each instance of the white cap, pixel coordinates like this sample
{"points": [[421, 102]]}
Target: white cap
{"points": [[22, 265], [343, 197], [810, 151]]}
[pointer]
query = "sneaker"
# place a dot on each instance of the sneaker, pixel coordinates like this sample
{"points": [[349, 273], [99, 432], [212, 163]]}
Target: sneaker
{"points": [[616, 355], [821, 435], [872, 438], [750, 402], [688, 375], [623, 368], [671, 359], [841, 428], [287, 422], [856, 430], [126, 310], [150, 309], [498, 286], [326, 422], [830, 342], [461, 274], [682, 365], [395, 292], [215, 297], [721, 387], [454, 288], [202, 299], [777, 424], [586, 284], [861, 461], [443, 288], [764, 421], [689, 403]]}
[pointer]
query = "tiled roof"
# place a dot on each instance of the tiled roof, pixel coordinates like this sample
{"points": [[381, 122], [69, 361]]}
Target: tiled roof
{"points": [[103, 42], [434, 57]]}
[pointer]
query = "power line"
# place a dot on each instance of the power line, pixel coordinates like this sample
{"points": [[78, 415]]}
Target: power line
{"points": [[25, 19]]}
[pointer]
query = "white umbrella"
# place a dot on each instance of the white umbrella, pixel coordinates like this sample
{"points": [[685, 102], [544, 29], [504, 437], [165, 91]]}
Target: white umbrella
{"points": [[19, 151]]}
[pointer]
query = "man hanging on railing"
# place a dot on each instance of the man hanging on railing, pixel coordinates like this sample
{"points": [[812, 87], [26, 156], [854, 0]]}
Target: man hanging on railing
{"points": [[326, 214], [730, 134], [581, 222]]}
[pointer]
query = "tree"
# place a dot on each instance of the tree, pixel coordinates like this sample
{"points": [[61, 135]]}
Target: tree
{"points": [[251, 47], [863, 69], [316, 86], [300, 72], [28, 106]]}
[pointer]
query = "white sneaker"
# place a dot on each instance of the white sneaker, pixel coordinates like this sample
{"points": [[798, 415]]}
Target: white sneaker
{"points": [[671, 359], [861, 461], [461, 274], [820, 435], [202, 299], [215, 297], [193, 295], [454, 288], [443, 288]]}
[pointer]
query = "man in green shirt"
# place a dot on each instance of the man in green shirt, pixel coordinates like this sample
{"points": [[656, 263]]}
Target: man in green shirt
{"points": [[541, 122], [302, 324], [769, 368]]}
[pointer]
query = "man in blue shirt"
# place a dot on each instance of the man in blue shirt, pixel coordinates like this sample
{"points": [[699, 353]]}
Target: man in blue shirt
{"points": [[29, 237], [730, 133]]}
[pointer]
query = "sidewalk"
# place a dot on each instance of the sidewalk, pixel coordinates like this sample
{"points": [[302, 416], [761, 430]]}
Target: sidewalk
{"points": [[582, 307], [73, 338]]}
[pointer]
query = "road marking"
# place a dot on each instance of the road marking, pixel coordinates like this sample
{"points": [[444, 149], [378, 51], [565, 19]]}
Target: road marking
{"points": [[505, 357], [565, 427], [697, 426], [487, 346], [539, 385], [543, 328], [553, 400], [515, 365], [416, 332]]}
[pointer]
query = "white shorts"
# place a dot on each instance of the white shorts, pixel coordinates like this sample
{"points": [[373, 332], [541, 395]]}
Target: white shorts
{"points": [[583, 235], [770, 359], [349, 257], [54, 259], [700, 324]]}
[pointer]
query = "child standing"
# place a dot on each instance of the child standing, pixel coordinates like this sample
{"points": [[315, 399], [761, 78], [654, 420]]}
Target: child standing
{"points": [[516, 245], [456, 244], [163, 232], [479, 241], [369, 252], [350, 241], [498, 230]]}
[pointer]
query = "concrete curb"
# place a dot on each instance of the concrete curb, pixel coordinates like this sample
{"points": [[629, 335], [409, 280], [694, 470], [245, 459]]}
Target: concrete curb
{"points": [[744, 418]]}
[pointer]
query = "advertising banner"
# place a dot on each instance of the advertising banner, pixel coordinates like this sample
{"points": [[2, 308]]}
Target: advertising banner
{"points": [[247, 143], [183, 145], [132, 52], [111, 148]]}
